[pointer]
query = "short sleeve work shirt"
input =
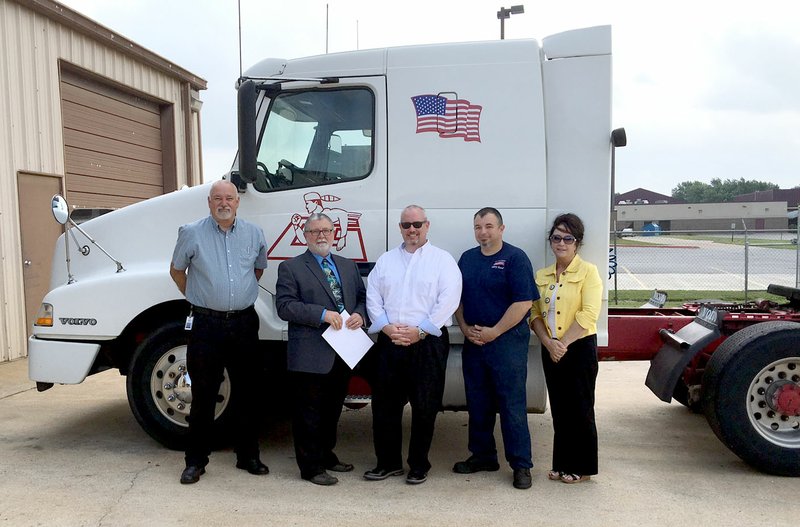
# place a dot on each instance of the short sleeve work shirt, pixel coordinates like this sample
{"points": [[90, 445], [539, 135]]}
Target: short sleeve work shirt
{"points": [[492, 283], [220, 263]]}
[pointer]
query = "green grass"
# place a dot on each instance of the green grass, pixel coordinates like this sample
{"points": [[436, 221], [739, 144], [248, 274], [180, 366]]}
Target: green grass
{"points": [[677, 297]]}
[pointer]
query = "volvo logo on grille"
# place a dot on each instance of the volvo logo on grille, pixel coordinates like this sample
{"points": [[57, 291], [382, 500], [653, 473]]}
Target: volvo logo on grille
{"points": [[78, 321]]}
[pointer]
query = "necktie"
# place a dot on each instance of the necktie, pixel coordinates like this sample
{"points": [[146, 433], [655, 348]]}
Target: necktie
{"points": [[336, 289]]}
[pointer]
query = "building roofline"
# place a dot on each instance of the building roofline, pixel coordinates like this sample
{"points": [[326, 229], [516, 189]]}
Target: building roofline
{"points": [[82, 24]]}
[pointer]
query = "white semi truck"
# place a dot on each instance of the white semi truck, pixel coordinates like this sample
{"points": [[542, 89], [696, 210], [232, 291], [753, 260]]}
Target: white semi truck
{"points": [[517, 125]]}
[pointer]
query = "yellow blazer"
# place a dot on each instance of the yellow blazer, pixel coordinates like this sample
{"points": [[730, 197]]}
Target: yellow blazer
{"points": [[579, 297]]}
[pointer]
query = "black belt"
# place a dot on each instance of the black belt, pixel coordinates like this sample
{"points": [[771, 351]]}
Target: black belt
{"points": [[221, 314]]}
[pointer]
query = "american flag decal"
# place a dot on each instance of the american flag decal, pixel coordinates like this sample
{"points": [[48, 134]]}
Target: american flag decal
{"points": [[448, 117]]}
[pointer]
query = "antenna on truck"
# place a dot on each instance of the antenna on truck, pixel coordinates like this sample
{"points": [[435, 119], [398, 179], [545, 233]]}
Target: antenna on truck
{"points": [[239, 4]]}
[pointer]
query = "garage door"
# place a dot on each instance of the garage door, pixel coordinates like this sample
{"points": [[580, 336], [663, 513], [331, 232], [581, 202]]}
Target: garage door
{"points": [[112, 144]]}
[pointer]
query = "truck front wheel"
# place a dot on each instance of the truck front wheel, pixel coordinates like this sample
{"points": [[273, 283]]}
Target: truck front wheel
{"points": [[751, 396], [159, 387]]}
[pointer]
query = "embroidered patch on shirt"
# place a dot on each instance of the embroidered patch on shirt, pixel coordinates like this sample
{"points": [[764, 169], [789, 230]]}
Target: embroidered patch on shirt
{"points": [[499, 264]]}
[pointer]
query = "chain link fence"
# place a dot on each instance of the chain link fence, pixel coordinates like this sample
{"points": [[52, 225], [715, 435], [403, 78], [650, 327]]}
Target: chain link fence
{"points": [[745, 261]]}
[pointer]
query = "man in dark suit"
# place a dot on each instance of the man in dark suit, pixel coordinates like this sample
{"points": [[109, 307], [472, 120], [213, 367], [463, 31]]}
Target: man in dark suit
{"points": [[312, 290]]}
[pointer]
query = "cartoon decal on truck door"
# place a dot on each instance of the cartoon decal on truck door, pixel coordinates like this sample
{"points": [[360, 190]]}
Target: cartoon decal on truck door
{"points": [[291, 242]]}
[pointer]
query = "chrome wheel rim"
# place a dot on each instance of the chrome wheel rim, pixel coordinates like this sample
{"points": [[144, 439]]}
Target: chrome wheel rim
{"points": [[772, 402], [171, 388]]}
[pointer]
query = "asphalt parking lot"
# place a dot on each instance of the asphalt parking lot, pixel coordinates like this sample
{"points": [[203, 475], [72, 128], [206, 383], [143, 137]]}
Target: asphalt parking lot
{"points": [[75, 456]]}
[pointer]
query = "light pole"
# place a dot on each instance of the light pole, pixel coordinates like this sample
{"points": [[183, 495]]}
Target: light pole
{"points": [[506, 13]]}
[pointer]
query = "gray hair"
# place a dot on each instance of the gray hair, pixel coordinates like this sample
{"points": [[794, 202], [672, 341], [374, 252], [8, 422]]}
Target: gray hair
{"points": [[317, 216], [219, 183]]}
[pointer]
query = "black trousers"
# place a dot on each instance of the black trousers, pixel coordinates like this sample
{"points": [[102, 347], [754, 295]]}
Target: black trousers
{"points": [[571, 386], [216, 344], [407, 374], [316, 408]]}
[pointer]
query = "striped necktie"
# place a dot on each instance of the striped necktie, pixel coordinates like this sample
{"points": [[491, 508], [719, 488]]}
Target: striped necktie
{"points": [[336, 289]]}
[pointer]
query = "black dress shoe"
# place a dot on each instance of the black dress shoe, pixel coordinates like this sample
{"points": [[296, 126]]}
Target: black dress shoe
{"points": [[323, 478], [341, 467], [378, 473], [415, 477], [522, 478], [191, 474], [253, 466], [473, 464]]}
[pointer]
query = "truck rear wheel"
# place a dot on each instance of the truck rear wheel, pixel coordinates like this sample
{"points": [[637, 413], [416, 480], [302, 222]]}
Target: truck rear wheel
{"points": [[751, 396], [159, 387]]}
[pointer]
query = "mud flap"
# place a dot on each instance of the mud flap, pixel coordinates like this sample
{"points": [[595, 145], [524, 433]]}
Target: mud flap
{"points": [[679, 349]]}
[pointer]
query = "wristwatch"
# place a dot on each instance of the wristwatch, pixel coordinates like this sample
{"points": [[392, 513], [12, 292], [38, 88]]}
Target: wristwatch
{"points": [[422, 334]]}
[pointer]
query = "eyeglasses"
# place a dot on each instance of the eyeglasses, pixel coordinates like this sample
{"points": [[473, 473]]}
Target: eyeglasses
{"points": [[415, 224], [315, 232], [568, 240]]}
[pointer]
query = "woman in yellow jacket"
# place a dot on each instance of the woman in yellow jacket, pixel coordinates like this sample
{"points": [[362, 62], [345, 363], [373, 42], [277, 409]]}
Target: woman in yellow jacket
{"points": [[565, 320]]}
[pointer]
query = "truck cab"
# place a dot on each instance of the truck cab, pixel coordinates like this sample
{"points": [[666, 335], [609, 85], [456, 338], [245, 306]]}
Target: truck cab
{"points": [[518, 125]]}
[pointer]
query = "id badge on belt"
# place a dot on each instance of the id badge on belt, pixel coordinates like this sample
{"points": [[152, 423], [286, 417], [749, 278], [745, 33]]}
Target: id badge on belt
{"points": [[189, 322]]}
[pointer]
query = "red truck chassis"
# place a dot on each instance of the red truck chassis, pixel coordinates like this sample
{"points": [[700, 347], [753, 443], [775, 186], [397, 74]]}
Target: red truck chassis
{"points": [[737, 363]]}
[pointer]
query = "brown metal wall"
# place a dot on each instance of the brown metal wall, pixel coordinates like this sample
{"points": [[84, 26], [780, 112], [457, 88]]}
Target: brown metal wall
{"points": [[39, 39]]}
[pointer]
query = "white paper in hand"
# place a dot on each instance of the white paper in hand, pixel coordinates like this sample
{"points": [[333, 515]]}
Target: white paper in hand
{"points": [[350, 344]]}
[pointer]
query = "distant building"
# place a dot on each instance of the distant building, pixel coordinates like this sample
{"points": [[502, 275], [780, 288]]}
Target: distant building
{"points": [[790, 195], [644, 210], [642, 196], [703, 216]]}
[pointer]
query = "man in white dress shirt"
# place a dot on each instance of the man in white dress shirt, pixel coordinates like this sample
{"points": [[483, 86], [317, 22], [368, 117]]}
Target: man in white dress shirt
{"points": [[412, 294]]}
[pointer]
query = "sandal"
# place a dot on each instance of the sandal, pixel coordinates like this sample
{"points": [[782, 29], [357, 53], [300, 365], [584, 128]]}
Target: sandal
{"points": [[554, 475], [573, 478]]}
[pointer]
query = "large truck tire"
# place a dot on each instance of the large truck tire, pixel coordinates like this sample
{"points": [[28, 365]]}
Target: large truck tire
{"points": [[159, 388], [751, 396]]}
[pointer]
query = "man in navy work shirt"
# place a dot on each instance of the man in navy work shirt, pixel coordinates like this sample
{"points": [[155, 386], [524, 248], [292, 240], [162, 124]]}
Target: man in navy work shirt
{"points": [[497, 295], [216, 264], [411, 295]]}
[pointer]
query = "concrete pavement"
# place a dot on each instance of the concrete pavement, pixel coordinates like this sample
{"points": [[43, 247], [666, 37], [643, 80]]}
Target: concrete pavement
{"points": [[75, 456]]}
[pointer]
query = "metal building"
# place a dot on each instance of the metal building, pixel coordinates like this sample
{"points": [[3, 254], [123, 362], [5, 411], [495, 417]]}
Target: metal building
{"points": [[86, 113]]}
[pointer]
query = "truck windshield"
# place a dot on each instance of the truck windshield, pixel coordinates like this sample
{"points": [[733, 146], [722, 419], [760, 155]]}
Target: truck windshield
{"points": [[316, 137]]}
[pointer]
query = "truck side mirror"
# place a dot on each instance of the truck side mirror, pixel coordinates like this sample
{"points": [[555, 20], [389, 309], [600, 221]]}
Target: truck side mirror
{"points": [[60, 209], [246, 102], [619, 138]]}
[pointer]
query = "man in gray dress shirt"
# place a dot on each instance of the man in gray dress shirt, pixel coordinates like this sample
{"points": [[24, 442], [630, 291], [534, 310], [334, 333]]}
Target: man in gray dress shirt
{"points": [[216, 264]]}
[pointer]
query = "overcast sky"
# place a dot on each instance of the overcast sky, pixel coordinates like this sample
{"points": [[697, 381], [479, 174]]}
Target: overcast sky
{"points": [[704, 89]]}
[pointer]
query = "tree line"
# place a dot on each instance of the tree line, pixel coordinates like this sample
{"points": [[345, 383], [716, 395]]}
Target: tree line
{"points": [[718, 191]]}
